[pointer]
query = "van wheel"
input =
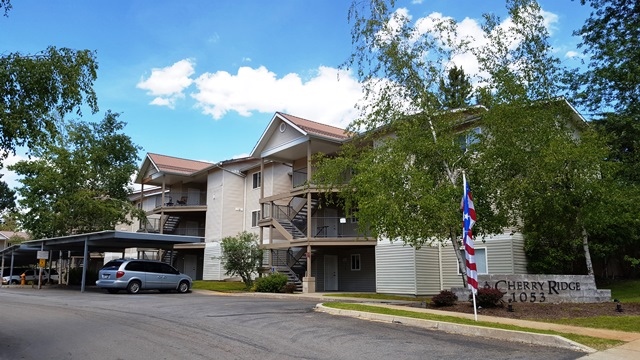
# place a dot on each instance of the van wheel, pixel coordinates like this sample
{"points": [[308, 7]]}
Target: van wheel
{"points": [[14, 282], [133, 287], [183, 287], [112, 291]]}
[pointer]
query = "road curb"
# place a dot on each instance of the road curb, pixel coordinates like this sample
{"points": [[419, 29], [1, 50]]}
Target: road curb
{"points": [[469, 330]]}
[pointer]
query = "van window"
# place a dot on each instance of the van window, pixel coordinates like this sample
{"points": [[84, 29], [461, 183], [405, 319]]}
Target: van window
{"points": [[135, 266]]}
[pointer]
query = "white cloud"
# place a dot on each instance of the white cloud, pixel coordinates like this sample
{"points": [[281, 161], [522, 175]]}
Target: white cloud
{"points": [[246, 59], [322, 98], [572, 54], [417, 2], [167, 84]]}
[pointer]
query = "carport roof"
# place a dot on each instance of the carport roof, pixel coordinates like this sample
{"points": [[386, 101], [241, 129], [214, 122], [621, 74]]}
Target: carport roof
{"points": [[103, 241]]}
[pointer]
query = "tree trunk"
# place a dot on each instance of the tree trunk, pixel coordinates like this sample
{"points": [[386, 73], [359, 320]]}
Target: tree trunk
{"points": [[587, 254], [462, 265]]}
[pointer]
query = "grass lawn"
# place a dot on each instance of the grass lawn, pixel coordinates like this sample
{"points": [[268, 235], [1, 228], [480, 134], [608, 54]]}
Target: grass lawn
{"points": [[593, 342], [221, 286], [625, 291]]}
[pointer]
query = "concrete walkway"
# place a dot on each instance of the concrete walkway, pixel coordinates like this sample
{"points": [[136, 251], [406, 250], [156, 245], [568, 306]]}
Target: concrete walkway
{"points": [[628, 351]]}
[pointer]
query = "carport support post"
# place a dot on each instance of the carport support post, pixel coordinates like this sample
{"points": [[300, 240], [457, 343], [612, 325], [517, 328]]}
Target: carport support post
{"points": [[85, 263], [40, 272], [2, 271]]}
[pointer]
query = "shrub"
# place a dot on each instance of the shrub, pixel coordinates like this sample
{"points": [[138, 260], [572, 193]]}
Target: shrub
{"points": [[289, 288], [272, 283], [445, 298], [488, 298]]}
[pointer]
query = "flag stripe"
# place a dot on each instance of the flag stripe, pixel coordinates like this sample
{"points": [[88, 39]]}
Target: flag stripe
{"points": [[468, 220]]}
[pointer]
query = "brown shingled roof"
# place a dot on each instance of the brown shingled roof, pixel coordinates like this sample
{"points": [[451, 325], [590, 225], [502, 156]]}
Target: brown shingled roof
{"points": [[317, 128], [170, 164]]}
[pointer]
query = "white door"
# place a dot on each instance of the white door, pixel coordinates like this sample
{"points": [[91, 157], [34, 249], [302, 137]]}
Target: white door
{"points": [[331, 273], [191, 265]]}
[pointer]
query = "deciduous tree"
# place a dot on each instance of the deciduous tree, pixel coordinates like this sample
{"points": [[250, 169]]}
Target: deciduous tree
{"points": [[79, 182], [242, 256]]}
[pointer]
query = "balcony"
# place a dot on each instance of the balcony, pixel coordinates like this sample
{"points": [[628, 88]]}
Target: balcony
{"points": [[182, 199], [154, 225]]}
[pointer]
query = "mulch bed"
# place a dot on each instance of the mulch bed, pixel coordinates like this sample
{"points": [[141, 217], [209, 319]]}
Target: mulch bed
{"points": [[539, 311]]}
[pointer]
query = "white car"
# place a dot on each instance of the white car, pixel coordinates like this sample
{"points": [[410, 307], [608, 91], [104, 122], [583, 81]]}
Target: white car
{"points": [[31, 275]]}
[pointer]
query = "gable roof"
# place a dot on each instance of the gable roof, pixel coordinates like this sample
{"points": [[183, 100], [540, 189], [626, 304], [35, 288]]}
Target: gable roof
{"points": [[170, 165], [308, 129], [174, 165], [316, 128]]}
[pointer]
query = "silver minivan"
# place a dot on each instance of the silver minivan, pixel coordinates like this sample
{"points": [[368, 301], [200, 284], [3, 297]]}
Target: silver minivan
{"points": [[134, 275]]}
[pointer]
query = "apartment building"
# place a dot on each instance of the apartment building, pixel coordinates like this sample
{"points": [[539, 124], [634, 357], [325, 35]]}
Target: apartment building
{"points": [[305, 235]]}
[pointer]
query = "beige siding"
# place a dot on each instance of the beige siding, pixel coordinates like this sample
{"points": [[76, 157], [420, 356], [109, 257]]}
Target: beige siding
{"points": [[450, 274], [428, 271], [213, 269], [252, 202], [233, 205], [277, 179], [213, 229], [282, 138], [395, 268]]}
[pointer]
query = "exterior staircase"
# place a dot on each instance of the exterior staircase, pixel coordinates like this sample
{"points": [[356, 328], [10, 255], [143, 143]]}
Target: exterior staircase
{"points": [[168, 256], [170, 224], [297, 225], [293, 278], [292, 263], [291, 228]]}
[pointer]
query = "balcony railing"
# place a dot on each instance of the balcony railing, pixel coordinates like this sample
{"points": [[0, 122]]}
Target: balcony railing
{"points": [[154, 225], [190, 198], [334, 227]]}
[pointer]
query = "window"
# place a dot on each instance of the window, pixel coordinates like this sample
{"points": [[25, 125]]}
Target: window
{"points": [[355, 262], [481, 260], [469, 138], [353, 216], [255, 217], [257, 177]]}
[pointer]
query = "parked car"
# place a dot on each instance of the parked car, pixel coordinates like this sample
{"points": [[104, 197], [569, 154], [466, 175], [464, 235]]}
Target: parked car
{"points": [[134, 275], [12, 277], [31, 275]]}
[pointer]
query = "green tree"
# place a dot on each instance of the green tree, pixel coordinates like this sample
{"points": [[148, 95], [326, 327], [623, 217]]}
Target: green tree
{"points": [[610, 87], [38, 89], [78, 183], [404, 168], [456, 90], [539, 163], [7, 198], [532, 160], [242, 256]]}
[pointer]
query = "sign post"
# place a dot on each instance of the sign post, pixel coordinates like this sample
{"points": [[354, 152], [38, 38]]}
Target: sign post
{"points": [[42, 256]]}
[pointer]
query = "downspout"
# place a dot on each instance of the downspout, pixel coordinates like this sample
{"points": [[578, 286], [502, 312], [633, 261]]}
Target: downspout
{"points": [[142, 206], [161, 225], [308, 208]]}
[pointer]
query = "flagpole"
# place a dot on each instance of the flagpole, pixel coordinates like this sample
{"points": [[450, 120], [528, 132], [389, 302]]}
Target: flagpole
{"points": [[475, 309]]}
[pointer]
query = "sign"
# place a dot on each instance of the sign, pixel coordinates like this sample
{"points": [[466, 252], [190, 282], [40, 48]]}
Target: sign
{"points": [[545, 288], [42, 254], [43, 263]]}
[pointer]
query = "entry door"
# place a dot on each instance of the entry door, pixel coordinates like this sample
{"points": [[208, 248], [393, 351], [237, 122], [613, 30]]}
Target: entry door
{"points": [[191, 265], [331, 273]]}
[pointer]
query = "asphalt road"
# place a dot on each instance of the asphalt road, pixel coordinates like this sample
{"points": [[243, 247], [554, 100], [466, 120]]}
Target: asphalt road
{"points": [[66, 324]]}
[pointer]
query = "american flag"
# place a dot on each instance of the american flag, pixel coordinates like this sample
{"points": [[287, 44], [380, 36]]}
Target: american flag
{"points": [[468, 219]]}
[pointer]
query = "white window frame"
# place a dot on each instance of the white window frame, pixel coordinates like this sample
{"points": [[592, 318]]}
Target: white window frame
{"points": [[356, 262], [255, 218], [256, 180], [486, 262]]}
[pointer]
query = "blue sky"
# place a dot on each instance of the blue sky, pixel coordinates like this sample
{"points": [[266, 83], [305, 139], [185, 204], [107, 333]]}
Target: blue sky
{"points": [[202, 79]]}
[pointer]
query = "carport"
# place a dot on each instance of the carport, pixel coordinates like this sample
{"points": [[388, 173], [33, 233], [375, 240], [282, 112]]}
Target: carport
{"points": [[83, 244]]}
